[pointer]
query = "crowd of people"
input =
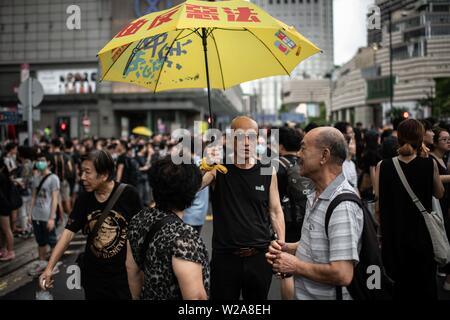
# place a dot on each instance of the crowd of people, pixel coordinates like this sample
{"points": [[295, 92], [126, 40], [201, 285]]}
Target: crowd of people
{"points": [[143, 214]]}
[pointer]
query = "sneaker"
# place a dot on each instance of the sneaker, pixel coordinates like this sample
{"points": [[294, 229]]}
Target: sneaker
{"points": [[25, 234], [446, 286], [8, 256], [37, 268]]}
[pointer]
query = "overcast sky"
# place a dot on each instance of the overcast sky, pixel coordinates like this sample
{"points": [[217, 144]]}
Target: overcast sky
{"points": [[350, 31]]}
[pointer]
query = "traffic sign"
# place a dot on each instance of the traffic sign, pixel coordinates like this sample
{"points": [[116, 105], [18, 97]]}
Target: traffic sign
{"points": [[37, 92], [10, 117], [86, 122], [36, 115]]}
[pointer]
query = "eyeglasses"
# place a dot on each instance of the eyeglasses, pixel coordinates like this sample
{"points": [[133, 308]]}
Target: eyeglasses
{"points": [[445, 139], [250, 135]]}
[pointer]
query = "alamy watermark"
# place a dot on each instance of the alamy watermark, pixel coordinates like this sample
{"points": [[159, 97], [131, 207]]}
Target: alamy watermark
{"points": [[73, 21], [230, 147], [374, 18]]}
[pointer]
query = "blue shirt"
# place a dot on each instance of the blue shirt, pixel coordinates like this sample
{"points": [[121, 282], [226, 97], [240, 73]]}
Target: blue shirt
{"points": [[195, 214]]}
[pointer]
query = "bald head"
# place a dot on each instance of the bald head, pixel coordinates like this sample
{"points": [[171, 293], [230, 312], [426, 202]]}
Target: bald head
{"points": [[244, 123], [333, 139]]}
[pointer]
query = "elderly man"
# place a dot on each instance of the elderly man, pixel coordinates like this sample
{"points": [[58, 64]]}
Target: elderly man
{"points": [[245, 203], [102, 212], [320, 263]]}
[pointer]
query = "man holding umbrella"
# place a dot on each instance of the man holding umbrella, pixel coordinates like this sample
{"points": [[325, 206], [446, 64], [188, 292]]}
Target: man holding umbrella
{"points": [[245, 203]]}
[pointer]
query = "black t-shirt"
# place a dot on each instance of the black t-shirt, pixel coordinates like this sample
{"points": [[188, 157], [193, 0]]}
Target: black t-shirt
{"points": [[142, 161], [60, 162], [282, 177], [370, 158], [130, 173], [122, 159], [106, 253], [241, 208]]}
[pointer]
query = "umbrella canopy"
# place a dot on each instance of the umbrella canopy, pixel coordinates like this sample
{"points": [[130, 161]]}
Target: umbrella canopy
{"points": [[143, 131], [200, 44]]}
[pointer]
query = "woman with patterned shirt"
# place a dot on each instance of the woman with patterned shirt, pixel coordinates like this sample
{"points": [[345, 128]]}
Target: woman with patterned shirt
{"points": [[174, 265]]}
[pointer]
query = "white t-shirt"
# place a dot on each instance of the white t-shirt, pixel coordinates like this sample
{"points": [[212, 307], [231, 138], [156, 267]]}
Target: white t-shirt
{"points": [[42, 205]]}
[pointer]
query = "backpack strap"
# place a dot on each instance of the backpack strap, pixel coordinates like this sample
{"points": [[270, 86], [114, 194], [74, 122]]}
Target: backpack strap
{"points": [[42, 183], [348, 196], [112, 201], [63, 167], [284, 162], [171, 217]]}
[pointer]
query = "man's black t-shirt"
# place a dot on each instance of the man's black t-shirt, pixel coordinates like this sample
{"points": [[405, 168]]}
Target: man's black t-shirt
{"points": [[60, 162], [241, 208], [130, 173], [122, 159], [105, 253]]}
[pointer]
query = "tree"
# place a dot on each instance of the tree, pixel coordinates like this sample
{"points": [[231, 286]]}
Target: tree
{"points": [[442, 100], [396, 113], [321, 120]]}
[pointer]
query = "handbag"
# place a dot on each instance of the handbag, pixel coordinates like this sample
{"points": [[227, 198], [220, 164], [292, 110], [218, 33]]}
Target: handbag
{"points": [[433, 220], [81, 259]]}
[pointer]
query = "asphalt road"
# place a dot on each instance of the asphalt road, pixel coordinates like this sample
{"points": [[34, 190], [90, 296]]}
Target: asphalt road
{"points": [[63, 291], [27, 286]]}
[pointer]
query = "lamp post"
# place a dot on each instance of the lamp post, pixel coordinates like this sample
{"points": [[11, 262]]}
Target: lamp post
{"points": [[391, 82]]}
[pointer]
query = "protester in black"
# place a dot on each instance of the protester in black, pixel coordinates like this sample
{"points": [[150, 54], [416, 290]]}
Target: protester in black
{"points": [[406, 244], [439, 148], [290, 142], [7, 252], [62, 166], [104, 272], [246, 207], [127, 167]]}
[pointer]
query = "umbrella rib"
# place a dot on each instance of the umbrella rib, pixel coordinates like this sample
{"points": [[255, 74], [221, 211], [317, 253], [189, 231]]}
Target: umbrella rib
{"points": [[165, 59], [218, 58], [104, 75], [287, 72]]}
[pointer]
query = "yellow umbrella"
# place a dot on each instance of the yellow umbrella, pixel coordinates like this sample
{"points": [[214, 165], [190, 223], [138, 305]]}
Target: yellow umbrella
{"points": [[143, 131], [176, 48]]}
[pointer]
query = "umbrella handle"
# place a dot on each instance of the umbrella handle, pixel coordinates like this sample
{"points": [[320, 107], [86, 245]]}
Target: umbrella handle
{"points": [[205, 50]]}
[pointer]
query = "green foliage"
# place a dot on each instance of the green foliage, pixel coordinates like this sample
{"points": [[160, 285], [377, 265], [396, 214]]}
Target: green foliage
{"points": [[441, 104], [321, 120], [396, 112]]}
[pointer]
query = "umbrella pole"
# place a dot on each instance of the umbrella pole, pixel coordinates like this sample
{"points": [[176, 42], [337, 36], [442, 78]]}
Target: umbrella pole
{"points": [[205, 50]]}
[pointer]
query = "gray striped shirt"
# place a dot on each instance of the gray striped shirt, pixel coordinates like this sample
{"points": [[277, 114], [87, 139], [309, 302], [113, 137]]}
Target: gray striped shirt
{"points": [[343, 243]]}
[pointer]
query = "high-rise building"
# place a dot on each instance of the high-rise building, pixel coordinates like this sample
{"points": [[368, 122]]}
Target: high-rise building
{"points": [[314, 20], [417, 46]]}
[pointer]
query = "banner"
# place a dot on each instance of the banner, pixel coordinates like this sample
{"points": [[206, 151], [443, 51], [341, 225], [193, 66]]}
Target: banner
{"points": [[72, 81]]}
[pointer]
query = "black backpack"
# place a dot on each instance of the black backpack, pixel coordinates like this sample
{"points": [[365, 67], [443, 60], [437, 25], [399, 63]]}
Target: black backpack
{"points": [[369, 256], [131, 173], [297, 190]]}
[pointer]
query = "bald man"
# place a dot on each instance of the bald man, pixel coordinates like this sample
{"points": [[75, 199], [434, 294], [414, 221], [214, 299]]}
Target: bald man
{"points": [[246, 205], [320, 263]]}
